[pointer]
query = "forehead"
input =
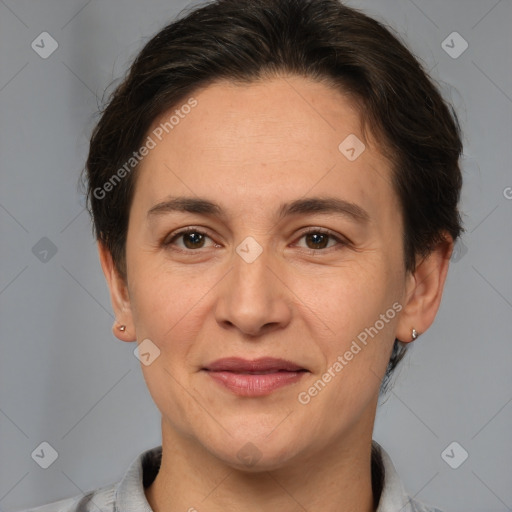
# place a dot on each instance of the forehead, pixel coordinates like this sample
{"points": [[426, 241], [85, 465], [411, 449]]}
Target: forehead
{"points": [[258, 141], [279, 113]]}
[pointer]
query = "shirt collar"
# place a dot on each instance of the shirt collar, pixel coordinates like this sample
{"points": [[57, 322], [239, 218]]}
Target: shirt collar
{"points": [[393, 496], [130, 496]]}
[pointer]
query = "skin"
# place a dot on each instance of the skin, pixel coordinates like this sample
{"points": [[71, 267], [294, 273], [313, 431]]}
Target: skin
{"points": [[250, 149]]}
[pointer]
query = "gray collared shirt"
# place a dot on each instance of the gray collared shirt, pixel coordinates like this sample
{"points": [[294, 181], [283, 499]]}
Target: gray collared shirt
{"points": [[128, 494]]}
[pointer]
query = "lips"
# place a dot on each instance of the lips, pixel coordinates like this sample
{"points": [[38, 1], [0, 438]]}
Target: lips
{"points": [[254, 378], [263, 365]]}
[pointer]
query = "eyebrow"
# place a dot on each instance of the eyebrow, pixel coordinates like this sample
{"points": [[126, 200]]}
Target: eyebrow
{"points": [[322, 205], [325, 205]]}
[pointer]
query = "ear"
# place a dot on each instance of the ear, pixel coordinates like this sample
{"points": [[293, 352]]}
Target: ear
{"points": [[118, 296], [424, 289]]}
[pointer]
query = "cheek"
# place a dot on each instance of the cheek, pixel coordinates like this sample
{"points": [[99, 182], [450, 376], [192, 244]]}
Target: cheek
{"points": [[164, 305], [344, 298], [352, 314], [170, 305], [166, 309]]}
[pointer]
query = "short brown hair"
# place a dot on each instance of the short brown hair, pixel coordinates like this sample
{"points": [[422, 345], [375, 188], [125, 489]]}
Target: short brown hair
{"points": [[249, 40]]}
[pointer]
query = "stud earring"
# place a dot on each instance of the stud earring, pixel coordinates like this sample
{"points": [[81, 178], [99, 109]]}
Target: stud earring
{"points": [[414, 334], [122, 328]]}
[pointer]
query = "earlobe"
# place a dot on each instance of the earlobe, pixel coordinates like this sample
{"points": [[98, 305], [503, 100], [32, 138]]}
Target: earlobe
{"points": [[121, 332], [123, 327], [424, 291]]}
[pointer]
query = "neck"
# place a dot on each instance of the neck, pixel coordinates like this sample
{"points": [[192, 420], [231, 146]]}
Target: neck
{"points": [[191, 479]]}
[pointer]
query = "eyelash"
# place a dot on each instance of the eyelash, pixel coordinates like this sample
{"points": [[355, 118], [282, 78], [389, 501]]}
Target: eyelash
{"points": [[169, 240]]}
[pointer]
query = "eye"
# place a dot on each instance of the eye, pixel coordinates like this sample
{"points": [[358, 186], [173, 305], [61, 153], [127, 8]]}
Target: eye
{"points": [[188, 239], [318, 239], [191, 239]]}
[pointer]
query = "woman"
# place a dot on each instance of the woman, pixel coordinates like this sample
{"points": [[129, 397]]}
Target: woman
{"points": [[274, 190]]}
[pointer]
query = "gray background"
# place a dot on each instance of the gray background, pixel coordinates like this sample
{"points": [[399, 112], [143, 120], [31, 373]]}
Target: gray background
{"points": [[66, 380]]}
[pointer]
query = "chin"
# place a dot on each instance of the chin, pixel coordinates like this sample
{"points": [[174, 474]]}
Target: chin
{"points": [[255, 453], [250, 458]]}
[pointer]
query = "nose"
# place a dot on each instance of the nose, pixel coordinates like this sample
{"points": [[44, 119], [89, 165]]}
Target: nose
{"points": [[252, 298]]}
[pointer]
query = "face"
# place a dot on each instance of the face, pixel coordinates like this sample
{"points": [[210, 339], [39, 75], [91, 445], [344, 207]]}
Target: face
{"points": [[254, 234]]}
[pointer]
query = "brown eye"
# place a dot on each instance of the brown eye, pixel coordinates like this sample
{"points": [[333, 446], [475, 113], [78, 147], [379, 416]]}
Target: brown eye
{"points": [[193, 240], [188, 239], [317, 240]]}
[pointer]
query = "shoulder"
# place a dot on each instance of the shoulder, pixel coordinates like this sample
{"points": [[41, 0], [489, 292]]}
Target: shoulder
{"points": [[416, 506], [101, 500], [393, 496], [128, 494]]}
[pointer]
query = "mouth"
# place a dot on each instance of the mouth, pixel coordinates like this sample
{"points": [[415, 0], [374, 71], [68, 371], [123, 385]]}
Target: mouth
{"points": [[254, 378], [266, 372], [262, 365]]}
